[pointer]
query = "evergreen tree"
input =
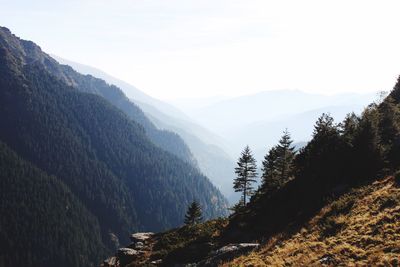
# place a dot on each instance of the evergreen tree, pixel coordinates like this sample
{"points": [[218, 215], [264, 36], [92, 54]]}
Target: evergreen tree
{"points": [[238, 207], [278, 164], [324, 126], [286, 154], [367, 149], [349, 127], [193, 214], [270, 182], [389, 131], [395, 94], [246, 172], [326, 148]]}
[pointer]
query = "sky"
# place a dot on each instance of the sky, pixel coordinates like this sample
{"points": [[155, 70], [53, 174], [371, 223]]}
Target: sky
{"points": [[184, 48]]}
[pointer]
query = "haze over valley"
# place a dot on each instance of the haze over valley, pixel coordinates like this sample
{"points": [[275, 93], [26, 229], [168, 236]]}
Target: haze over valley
{"points": [[186, 133]]}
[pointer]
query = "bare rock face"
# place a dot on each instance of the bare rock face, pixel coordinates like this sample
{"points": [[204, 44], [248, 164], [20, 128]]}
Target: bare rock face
{"points": [[141, 237]]}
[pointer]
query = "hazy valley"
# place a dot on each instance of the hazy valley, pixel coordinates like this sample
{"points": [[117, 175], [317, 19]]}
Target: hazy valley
{"points": [[197, 134]]}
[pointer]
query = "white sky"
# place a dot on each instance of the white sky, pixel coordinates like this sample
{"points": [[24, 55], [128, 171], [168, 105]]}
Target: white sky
{"points": [[186, 48]]}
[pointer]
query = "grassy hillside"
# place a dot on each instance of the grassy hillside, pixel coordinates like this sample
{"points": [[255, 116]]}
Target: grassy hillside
{"points": [[360, 228]]}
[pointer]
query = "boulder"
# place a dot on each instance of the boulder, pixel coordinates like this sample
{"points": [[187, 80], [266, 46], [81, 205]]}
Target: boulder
{"points": [[328, 260], [157, 262], [141, 237], [227, 253], [139, 245], [235, 248]]}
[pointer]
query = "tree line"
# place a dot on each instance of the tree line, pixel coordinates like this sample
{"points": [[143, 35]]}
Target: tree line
{"points": [[297, 184], [277, 169], [338, 156]]}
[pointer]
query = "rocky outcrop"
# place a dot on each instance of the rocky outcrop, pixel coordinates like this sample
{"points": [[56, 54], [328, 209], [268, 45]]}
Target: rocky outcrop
{"points": [[201, 253], [227, 253], [134, 252], [141, 237]]}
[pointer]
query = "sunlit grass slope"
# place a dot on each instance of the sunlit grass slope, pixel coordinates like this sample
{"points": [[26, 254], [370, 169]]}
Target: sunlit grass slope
{"points": [[361, 228]]}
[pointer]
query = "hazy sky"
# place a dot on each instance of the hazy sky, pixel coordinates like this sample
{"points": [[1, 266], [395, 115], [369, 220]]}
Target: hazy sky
{"points": [[184, 48]]}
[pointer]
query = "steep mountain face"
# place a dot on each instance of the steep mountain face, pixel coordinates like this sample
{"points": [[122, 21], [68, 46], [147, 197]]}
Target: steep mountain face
{"points": [[30, 53], [212, 160], [120, 180], [42, 219]]}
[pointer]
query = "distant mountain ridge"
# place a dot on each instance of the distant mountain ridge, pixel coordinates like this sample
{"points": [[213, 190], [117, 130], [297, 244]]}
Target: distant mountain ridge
{"points": [[259, 119], [94, 143], [208, 149], [130, 91], [32, 54]]}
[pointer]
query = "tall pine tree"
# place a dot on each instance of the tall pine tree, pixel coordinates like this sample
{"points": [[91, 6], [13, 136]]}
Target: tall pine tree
{"points": [[193, 214], [246, 173], [278, 164], [286, 154]]}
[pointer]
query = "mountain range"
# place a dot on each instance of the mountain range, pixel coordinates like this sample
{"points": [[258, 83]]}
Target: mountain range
{"points": [[77, 151], [207, 148], [216, 130], [259, 119]]}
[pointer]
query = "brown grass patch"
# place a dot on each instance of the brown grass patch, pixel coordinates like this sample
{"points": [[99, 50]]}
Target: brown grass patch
{"points": [[361, 228]]}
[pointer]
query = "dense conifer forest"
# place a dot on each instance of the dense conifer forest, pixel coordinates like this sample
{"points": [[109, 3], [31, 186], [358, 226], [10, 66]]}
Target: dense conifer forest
{"points": [[101, 159]]}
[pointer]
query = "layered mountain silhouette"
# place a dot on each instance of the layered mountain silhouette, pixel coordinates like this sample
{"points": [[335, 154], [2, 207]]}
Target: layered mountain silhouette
{"points": [[259, 119], [208, 149], [76, 150]]}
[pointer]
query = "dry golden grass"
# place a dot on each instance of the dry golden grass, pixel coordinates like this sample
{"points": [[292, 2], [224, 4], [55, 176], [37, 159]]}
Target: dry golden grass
{"points": [[359, 229]]}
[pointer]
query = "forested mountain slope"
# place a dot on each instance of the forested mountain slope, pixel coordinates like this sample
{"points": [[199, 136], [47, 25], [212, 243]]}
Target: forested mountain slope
{"points": [[207, 148], [42, 219], [95, 151], [30, 53]]}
